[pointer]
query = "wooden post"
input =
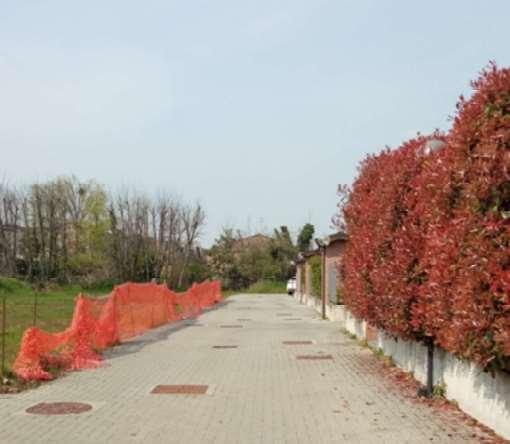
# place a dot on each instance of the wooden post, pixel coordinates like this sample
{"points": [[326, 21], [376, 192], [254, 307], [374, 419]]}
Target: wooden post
{"points": [[4, 331]]}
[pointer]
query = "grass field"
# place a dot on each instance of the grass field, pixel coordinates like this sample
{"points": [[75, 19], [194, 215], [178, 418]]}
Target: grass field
{"points": [[267, 287], [55, 307], [264, 287], [54, 310]]}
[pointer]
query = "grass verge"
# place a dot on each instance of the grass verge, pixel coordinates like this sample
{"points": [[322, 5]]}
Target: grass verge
{"points": [[53, 311]]}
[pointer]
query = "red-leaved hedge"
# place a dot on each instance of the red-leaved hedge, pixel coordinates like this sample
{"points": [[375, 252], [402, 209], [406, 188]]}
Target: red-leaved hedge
{"points": [[429, 227]]}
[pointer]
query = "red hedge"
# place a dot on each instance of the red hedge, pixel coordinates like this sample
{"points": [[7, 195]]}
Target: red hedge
{"points": [[428, 253]]}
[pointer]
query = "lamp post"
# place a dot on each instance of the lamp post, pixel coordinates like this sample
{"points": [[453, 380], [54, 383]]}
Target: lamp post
{"points": [[322, 248]]}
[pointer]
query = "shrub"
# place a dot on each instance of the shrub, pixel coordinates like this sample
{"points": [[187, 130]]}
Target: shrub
{"points": [[380, 259], [429, 233]]}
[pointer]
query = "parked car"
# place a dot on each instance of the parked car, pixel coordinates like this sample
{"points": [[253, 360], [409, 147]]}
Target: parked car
{"points": [[291, 286]]}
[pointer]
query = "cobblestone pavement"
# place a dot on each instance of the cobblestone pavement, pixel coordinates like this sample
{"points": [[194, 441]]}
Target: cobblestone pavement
{"points": [[258, 393]]}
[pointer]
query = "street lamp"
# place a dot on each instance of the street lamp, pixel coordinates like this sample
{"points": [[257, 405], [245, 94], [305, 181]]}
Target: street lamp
{"points": [[321, 245]]}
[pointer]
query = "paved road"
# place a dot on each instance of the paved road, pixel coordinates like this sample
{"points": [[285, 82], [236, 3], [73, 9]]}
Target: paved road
{"points": [[258, 392]]}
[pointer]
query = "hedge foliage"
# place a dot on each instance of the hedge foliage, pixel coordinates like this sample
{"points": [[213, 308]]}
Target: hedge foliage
{"points": [[429, 227]]}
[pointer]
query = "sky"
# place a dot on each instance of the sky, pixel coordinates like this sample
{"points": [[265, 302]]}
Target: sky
{"points": [[257, 109]]}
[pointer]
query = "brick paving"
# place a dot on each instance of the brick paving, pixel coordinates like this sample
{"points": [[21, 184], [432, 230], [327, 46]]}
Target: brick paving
{"points": [[258, 392]]}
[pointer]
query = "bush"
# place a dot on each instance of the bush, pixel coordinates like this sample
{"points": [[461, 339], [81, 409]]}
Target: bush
{"points": [[429, 233], [380, 258]]}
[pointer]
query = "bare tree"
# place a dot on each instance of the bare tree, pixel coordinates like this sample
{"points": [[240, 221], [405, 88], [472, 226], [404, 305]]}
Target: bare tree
{"points": [[10, 219], [66, 229], [193, 219]]}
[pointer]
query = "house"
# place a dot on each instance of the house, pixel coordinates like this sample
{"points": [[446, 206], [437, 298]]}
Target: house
{"points": [[318, 280], [305, 270], [256, 240], [334, 246]]}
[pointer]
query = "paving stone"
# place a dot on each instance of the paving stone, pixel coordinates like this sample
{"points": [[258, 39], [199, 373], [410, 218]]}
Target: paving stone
{"points": [[258, 393]]}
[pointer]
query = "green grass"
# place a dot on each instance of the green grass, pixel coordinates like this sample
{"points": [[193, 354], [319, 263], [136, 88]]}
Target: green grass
{"points": [[264, 286], [267, 287], [55, 307], [439, 390], [348, 334]]}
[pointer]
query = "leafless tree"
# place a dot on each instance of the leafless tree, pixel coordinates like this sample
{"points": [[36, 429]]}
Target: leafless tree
{"points": [[193, 219], [10, 217], [66, 229]]}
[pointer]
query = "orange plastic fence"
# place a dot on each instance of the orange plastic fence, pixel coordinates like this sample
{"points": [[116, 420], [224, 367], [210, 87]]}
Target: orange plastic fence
{"points": [[130, 309]]}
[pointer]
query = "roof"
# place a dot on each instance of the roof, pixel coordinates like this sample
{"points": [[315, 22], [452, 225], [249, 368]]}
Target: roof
{"points": [[336, 237], [340, 236], [257, 240], [311, 253], [304, 255]]}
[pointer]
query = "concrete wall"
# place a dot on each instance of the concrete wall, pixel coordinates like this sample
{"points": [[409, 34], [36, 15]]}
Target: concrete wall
{"points": [[334, 312], [332, 281], [481, 395]]}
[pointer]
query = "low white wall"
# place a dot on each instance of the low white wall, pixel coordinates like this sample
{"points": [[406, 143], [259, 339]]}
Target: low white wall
{"points": [[481, 395], [300, 297], [313, 302], [411, 356], [333, 312], [354, 325]]}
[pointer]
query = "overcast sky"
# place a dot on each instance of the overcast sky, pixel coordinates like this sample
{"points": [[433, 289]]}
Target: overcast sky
{"points": [[256, 108]]}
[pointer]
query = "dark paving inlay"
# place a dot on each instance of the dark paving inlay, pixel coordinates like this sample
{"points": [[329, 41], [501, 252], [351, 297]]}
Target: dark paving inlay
{"points": [[181, 389], [231, 326], [59, 408], [297, 342], [283, 314], [314, 357], [225, 346], [292, 319]]}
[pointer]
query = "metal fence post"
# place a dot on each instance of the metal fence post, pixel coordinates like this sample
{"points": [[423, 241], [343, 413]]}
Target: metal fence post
{"points": [[430, 368], [4, 317]]}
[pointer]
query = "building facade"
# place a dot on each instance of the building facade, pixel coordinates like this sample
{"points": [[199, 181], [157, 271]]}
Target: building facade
{"points": [[334, 247], [318, 278]]}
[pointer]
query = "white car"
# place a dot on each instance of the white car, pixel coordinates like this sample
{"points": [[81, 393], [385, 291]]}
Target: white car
{"points": [[291, 286]]}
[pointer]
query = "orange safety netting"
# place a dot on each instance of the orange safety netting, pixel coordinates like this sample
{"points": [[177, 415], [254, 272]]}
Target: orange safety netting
{"points": [[130, 309]]}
